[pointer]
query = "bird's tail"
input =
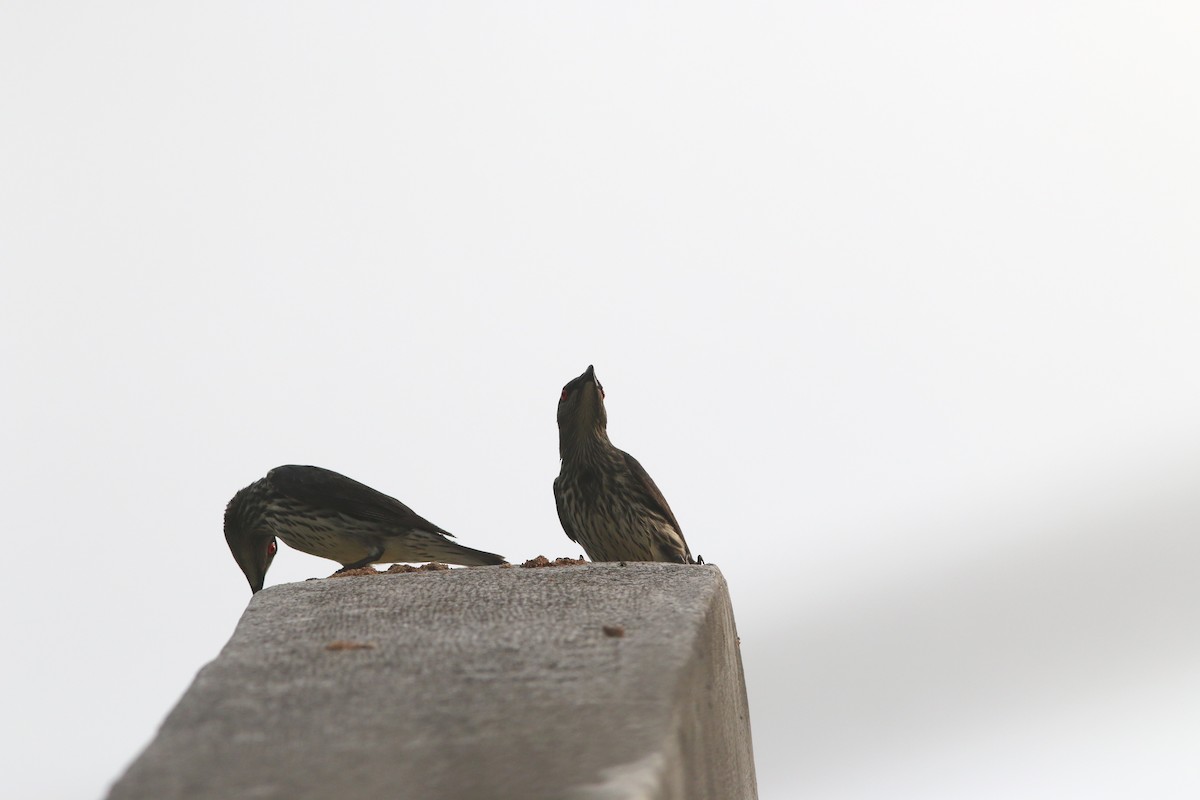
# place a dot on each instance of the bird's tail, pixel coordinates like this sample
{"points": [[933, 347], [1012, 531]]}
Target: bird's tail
{"points": [[425, 545], [454, 553], [471, 557]]}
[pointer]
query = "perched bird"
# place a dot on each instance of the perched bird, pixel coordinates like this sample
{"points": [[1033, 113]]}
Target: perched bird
{"points": [[320, 512], [606, 500]]}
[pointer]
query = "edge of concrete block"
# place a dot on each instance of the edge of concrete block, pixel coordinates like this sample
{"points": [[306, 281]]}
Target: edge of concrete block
{"points": [[593, 682]]}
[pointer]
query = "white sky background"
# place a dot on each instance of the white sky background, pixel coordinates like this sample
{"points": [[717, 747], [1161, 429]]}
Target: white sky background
{"points": [[899, 304]]}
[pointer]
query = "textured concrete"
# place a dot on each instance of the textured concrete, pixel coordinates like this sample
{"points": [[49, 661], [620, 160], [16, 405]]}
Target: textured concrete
{"points": [[474, 684]]}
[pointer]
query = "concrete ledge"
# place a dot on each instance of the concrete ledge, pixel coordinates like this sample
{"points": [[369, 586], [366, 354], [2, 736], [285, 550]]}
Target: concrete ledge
{"points": [[480, 683]]}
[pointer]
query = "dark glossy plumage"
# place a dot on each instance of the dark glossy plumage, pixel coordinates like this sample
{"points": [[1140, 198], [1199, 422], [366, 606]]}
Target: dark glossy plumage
{"points": [[331, 491], [326, 514], [606, 500]]}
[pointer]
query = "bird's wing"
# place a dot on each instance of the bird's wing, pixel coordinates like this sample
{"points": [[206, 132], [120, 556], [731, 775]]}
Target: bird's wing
{"points": [[652, 493], [325, 488], [655, 499], [563, 517]]}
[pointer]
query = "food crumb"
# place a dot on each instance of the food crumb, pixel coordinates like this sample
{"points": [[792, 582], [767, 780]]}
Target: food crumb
{"points": [[615, 631], [542, 561], [354, 573], [432, 566]]}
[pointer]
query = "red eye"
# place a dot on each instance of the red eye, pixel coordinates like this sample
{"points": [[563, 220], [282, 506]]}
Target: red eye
{"points": [[272, 549], [564, 395]]}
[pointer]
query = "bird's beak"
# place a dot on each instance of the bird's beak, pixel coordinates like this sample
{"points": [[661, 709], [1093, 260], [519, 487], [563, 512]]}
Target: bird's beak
{"points": [[248, 552], [590, 374]]}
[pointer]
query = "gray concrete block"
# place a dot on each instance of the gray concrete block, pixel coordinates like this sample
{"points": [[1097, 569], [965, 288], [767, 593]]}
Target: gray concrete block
{"points": [[480, 683]]}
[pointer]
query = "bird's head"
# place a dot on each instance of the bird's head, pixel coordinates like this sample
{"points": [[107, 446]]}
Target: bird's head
{"points": [[252, 547], [581, 413]]}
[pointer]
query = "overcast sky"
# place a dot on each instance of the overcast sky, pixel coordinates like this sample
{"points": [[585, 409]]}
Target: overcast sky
{"points": [[899, 303]]}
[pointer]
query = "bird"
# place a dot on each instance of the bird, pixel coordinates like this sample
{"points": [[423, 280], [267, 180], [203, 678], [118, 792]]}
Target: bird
{"points": [[324, 513], [606, 500]]}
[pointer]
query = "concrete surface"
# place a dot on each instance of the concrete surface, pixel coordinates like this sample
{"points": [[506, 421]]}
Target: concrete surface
{"points": [[482, 683]]}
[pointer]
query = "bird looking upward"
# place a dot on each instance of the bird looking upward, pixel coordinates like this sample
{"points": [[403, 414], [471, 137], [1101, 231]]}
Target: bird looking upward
{"points": [[606, 500], [325, 514]]}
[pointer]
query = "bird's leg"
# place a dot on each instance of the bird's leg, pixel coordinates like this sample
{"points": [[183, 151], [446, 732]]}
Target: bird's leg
{"points": [[372, 558]]}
